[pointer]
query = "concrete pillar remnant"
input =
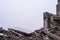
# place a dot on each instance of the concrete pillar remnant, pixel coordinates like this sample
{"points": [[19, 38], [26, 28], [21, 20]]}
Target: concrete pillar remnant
{"points": [[58, 8]]}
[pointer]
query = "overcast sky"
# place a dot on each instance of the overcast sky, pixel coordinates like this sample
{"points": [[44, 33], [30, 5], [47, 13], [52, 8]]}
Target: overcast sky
{"points": [[26, 15]]}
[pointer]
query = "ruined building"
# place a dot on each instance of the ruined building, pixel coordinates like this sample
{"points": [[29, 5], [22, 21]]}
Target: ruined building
{"points": [[52, 21], [50, 31]]}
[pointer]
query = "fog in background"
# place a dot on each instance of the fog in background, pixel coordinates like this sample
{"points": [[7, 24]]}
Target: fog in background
{"points": [[25, 15]]}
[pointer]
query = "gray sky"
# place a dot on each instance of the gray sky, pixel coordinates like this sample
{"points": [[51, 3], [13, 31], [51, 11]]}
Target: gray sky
{"points": [[26, 15]]}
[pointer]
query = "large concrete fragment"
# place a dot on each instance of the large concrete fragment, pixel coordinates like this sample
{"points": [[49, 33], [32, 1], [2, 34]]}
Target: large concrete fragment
{"points": [[55, 37]]}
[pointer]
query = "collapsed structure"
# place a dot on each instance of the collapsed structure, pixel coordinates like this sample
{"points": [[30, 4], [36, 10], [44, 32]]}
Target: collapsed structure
{"points": [[50, 31], [52, 23]]}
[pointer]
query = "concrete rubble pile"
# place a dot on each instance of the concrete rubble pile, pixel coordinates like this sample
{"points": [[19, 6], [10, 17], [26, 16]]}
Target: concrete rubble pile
{"points": [[12, 34], [41, 34], [50, 30]]}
